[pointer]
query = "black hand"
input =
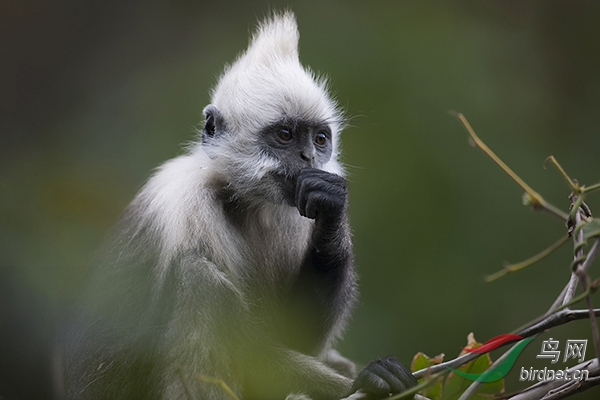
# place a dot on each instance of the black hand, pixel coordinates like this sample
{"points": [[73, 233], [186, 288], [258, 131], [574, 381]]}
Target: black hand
{"points": [[320, 194], [382, 377]]}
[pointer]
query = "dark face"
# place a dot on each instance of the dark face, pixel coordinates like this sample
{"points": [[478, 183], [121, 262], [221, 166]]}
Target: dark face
{"points": [[297, 145]]}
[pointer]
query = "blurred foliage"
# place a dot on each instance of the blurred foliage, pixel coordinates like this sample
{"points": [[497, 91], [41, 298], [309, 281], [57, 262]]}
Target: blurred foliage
{"points": [[434, 389], [95, 94]]}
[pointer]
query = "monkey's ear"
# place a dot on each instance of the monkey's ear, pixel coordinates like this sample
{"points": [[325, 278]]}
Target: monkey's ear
{"points": [[214, 123], [214, 126]]}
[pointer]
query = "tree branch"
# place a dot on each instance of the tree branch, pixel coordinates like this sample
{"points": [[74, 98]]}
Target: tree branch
{"points": [[559, 389], [568, 292]]}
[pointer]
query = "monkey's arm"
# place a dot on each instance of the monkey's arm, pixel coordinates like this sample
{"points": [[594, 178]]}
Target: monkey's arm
{"points": [[203, 334], [323, 293], [280, 371], [326, 283]]}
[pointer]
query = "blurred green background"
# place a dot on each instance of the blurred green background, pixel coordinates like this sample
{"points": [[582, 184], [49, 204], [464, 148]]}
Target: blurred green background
{"points": [[95, 94]]}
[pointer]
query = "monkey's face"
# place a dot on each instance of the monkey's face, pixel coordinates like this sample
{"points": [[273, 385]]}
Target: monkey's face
{"points": [[264, 167], [294, 145]]}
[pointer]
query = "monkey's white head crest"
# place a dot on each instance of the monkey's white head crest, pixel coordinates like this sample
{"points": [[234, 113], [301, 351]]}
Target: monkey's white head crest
{"points": [[267, 82]]}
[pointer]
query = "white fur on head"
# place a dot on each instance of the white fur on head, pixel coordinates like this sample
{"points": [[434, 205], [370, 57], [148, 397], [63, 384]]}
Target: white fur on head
{"points": [[267, 83]]}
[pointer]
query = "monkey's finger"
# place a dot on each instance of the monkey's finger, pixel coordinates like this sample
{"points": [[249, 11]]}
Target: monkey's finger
{"points": [[333, 179], [301, 195], [370, 382], [393, 384], [316, 196], [314, 203], [305, 187], [401, 375]]}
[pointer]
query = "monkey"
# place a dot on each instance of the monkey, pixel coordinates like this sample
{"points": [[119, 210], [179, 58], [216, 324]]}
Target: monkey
{"points": [[230, 275]]}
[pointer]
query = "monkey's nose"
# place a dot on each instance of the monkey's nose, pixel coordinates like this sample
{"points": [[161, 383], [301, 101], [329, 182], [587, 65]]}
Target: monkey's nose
{"points": [[306, 156]]}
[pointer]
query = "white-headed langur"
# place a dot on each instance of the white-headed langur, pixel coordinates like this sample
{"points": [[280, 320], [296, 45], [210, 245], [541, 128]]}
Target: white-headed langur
{"points": [[233, 263]]}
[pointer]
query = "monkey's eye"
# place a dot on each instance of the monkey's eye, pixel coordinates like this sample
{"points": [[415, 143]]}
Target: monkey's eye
{"points": [[285, 135], [321, 138]]}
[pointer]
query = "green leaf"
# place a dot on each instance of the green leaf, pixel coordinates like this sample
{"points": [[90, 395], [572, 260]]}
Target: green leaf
{"points": [[420, 361]]}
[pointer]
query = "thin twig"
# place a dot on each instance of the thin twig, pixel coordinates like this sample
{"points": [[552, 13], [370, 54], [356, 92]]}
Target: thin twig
{"points": [[572, 185], [532, 197], [220, 383], [587, 189], [593, 323], [559, 318], [571, 388], [582, 296], [443, 367], [509, 268], [575, 210], [591, 256], [571, 288], [536, 198]]}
